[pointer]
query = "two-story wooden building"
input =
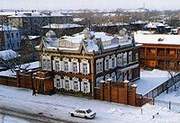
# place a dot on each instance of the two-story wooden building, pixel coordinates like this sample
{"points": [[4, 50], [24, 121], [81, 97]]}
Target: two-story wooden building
{"points": [[78, 63], [160, 51]]}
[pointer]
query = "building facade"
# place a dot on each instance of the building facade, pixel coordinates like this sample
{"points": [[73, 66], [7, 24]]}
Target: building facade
{"points": [[10, 38], [78, 63], [31, 22], [159, 51]]}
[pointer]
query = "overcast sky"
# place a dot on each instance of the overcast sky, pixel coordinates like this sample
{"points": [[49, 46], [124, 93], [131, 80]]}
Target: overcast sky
{"points": [[91, 4]]}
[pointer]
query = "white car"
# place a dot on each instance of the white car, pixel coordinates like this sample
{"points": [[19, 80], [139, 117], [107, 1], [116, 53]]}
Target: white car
{"points": [[84, 113]]}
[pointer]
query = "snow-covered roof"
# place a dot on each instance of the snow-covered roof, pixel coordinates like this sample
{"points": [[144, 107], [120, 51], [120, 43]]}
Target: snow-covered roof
{"points": [[103, 36], [78, 19], [156, 38], [8, 54], [111, 24], [28, 66], [150, 80], [7, 13], [36, 14], [31, 37], [62, 26], [155, 25], [139, 22], [89, 39], [7, 28]]}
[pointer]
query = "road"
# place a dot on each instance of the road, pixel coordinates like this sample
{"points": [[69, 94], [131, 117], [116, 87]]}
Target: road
{"points": [[11, 116]]}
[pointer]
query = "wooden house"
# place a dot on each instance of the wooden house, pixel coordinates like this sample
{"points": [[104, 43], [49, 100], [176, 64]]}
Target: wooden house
{"points": [[160, 51]]}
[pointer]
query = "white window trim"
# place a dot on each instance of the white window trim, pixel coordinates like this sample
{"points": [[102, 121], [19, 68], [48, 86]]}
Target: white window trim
{"points": [[75, 79], [113, 74], [119, 56], [113, 56], [64, 83], [46, 58], [54, 65], [60, 82], [82, 86], [69, 65], [130, 57], [74, 61], [81, 66], [125, 58], [106, 58], [99, 69]]}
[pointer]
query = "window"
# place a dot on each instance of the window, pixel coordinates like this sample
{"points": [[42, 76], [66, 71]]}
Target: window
{"points": [[125, 75], [98, 81], [130, 75], [119, 76], [107, 76], [44, 64], [66, 66], [67, 86], [58, 83], [107, 64], [57, 65], [12, 35], [130, 57], [113, 62], [17, 35], [76, 85], [124, 58], [99, 65], [48, 64], [137, 56], [119, 60], [84, 65], [113, 77], [85, 87], [74, 67], [7, 35]]}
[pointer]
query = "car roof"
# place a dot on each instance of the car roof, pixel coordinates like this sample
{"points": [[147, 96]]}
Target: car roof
{"points": [[83, 109]]}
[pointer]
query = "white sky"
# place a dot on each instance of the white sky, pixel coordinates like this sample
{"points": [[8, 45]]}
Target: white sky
{"points": [[91, 4]]}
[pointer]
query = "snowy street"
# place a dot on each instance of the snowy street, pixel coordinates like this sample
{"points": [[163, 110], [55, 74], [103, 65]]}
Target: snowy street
{"points": [[58, 106]]}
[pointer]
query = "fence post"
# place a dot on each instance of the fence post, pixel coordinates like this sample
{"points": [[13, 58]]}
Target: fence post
{"points": [[169, 105], [153, 100]]}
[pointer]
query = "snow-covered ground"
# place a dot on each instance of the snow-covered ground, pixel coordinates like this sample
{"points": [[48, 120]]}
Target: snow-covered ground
{"points": [[58, 106], [172, 99], [10, 119], [150, 80], [173, 94]]}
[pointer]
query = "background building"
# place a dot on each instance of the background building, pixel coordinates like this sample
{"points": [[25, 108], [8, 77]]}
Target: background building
{"points": [[10, 37], [31, 22], [160, 51]]}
